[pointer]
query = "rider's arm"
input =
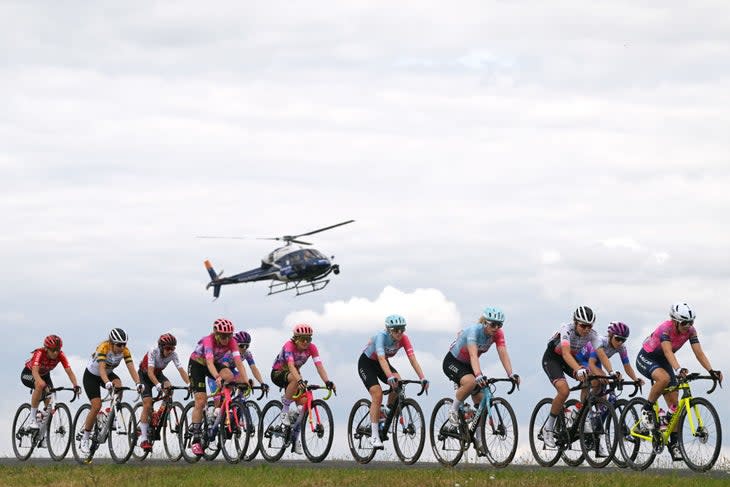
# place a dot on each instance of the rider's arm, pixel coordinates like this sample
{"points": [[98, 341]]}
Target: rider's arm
{"points": [[474, 358], [669, 354], [256, 373], [322, 373], [151, 374], [184, 375], [71, 376], [701, 357], [102, 372], [601, 354], [384, 365], [630, 372], [504, 358], [241, 369], [416, 366], [37, 375], [568, 357], [133, 372]]}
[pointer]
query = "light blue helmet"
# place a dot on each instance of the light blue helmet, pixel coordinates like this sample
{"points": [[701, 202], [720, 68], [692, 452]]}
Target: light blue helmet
{"points": [[394, 321], [493, 314]]}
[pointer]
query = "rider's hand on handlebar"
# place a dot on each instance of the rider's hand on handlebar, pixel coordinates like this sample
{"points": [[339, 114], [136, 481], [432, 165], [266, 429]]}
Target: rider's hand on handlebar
{"points": [[265, 387], [616, 375], [681, 372], [717, 374], [425, 383], [140, 387], [481, 380], [77, 391], [392, 381], [158, 388], [109, 386], [581, 374], [515, 378], [302, 385], [330, 385]]}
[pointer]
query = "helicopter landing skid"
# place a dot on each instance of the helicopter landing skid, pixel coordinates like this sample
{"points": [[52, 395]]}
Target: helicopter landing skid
{"points": [[301, 287]]}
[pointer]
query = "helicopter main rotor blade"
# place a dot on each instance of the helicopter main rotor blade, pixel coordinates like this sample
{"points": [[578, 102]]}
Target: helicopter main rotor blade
{"points": [[226, 238], [321, 229]]}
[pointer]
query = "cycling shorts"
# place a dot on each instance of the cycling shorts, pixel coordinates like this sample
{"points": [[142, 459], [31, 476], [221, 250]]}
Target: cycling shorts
{"points": [[554, 365], [455, 369], [370, 371], [93, 383], [647, 363], [26, 377]]}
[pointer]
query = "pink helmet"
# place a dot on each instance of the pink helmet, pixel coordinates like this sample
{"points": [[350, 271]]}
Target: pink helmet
{"points": [[302, 329], [222, 325]]}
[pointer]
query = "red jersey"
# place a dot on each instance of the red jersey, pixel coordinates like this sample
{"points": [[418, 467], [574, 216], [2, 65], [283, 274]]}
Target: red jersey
{"points": [[44, 362]]}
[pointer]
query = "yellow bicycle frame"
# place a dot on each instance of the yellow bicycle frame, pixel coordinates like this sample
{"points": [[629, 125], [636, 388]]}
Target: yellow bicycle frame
{"points": [[684, 403]]}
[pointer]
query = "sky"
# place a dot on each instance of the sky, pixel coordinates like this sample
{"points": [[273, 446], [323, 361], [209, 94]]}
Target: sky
{"points": [[509, 153]]}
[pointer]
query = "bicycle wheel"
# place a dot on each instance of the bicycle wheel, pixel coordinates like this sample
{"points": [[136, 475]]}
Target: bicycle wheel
{"points": [[447, 443], [636, 446], [544, 455], [210, 438], [78, 433], [273, 436], [137, 452], [597, 432], [252, 427], [122, 433], [499, 433], [171, 432], [409, 431], [186, 435], [318, 431], [568, 439], [59, 432], [623, 430], [23, 437], [358, 432], [231, 435], [700, 434]]}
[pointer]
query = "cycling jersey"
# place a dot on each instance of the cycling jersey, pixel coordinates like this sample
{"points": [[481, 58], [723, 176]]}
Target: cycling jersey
{"points": [[475, 334], [155, 359], [588, 352], [105, 353], [209, 348], [568, 336], [667, 332], [227, 360], [39, 357], [291, 355], [383, 345]]}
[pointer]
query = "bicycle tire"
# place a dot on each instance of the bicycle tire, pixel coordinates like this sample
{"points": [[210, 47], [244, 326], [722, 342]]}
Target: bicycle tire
{"points": [[318, 442], [571, 452], [232, 437], [500, 433], [122, 436], [23, 439], [210, 439], [358, 432], [78, 432], [448, 446], [690, 443], [254, 413], [186, 436], [638, 453], [171, 431], [137, 452], [623, 430], [409, 431], [544, 455], [598, 427], [273, 436], [60, 427]]}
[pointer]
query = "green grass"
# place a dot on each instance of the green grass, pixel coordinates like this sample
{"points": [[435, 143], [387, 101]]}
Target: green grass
{"points": [[296, 475]]}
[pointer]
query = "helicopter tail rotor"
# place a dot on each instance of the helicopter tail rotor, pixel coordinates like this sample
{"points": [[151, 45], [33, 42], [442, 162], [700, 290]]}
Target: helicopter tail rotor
{"points": [[214, 278]]}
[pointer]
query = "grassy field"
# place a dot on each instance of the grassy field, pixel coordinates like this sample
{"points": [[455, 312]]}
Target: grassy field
{"points": [[281, 475]]}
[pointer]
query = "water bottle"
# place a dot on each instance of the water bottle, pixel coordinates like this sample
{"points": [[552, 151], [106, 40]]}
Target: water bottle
{"points": [[384, 411], [573, 414], [468, 412], [663, 422], [103, 416]]}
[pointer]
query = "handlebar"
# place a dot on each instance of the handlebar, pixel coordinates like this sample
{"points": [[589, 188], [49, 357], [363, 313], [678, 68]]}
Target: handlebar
{"points": [[264, 391], [116, 390], [312, 387], [697, 376], [402, 383], [505, 379], [54, 390], [170, 390]]}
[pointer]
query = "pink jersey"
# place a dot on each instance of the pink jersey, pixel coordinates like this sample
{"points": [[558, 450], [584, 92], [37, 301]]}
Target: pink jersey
{"points": [[667, 332], [290, 355], [209, 348]]}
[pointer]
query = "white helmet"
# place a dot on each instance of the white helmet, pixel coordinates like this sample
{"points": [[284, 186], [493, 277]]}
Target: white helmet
{"points": [[584, 314], [682, 312]]}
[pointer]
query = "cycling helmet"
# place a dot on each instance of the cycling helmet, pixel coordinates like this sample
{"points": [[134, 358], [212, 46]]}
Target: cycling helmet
{"points": [[491, 313], [118, 336], [682, 312], [619, 329], [584, 314], [166, 340], [302, 329], [242, 338], [222, 325], [53, 341], [395, 321]]}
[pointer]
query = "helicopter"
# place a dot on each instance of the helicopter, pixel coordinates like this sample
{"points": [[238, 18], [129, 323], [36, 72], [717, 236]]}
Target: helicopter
{"points": [[289, 268]]}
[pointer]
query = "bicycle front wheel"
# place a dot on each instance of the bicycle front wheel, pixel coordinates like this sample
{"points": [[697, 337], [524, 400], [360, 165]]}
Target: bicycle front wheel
{"points": [[569, 440], [545, 455], [252, 428], [358, 432], [137, 452], [409, 431], [635, 443], [23, 436], [447, 442], [186, 433], [499, 433], [78, 434], [122, 433], [700, 435], [231, 435], [171, 432], [597, 433], [273, 435], [58, 435], [623, 430], [318, 431]]}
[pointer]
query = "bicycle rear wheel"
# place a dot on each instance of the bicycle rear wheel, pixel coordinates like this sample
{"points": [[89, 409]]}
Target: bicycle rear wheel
{"points": [[409, 431], [78, 433], [171, 432], [700, 435], [317, 436], [623, 430], [59, 433], [358, 432], [122, 433], [186, 433], [499, 433], [447, 443], [23, 437], [273, 435], [636, 445], [544, 455], [252, 428], [597, 432], [137, 452]]}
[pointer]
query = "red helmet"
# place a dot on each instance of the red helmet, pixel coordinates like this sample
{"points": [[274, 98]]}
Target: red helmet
{"points": [[222, 325], [167, 340], [53, 341], [302, 329]]}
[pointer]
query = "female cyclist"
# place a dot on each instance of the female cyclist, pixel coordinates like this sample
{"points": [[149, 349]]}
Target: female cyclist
{"points": [[243, 340], [374, 365]]}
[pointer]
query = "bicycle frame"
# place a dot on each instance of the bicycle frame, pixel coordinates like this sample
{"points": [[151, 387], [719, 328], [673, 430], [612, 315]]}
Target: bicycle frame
{"points": [[114, 398], [166, 397], [308, 412], [399, 399]]}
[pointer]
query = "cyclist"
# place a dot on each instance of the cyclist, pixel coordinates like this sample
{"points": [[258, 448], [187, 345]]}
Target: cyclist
{"points": [[150, 371], [374, 365], [36, 373], [100, 372], [559, 359], [285, 372], [243, 340], [657, 361], [206, 361], [461, 363]]}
